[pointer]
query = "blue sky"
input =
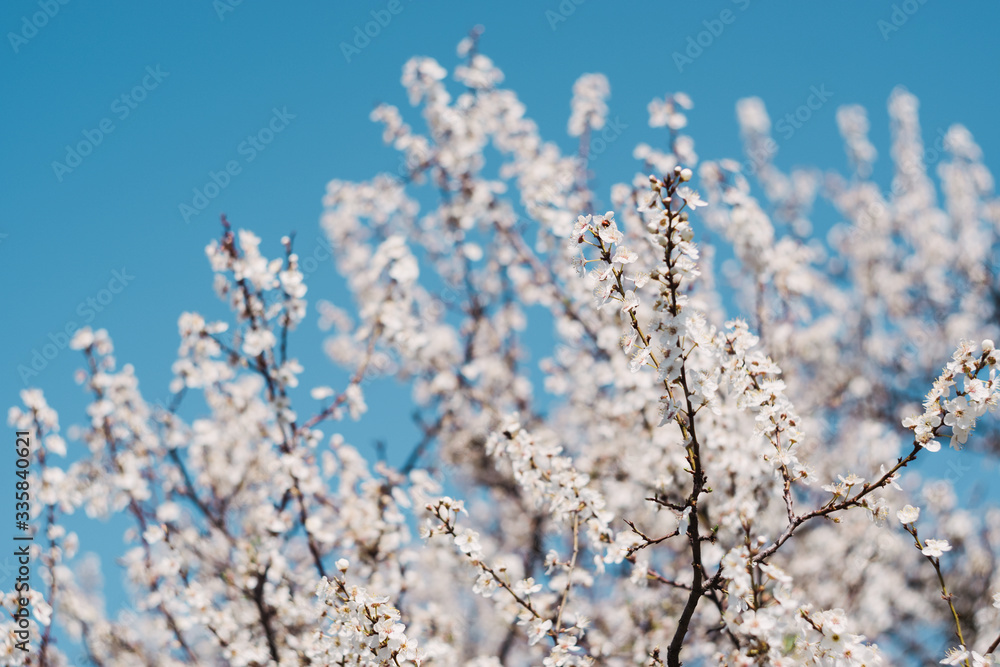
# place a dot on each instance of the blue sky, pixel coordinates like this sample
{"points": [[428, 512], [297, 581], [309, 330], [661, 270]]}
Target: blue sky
{"points": [[169, 93]]}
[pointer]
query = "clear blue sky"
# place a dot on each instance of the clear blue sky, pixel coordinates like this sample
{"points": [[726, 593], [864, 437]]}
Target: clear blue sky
{"points": [[211, 75]]}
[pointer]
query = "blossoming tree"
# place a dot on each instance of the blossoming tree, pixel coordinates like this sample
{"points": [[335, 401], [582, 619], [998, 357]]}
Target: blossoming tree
{"points": [[679, 487]]}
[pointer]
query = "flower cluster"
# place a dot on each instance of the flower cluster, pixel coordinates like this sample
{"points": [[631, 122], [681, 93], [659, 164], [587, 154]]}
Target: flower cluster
{"points": [[549, 478], [971, 401], [633, 406], [363, 629]]}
